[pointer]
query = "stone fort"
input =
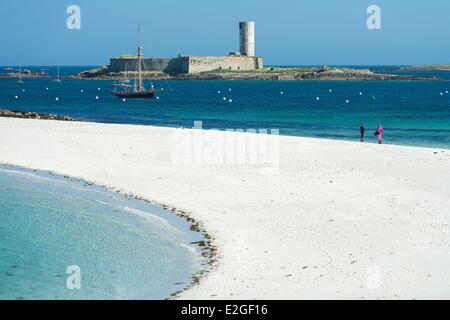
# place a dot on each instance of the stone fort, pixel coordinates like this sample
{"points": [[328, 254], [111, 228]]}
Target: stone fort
{"points": [[245, 59]]}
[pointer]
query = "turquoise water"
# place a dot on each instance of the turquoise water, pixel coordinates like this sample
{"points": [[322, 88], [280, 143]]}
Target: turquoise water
{"points": [[411, 112], [125, 248]]}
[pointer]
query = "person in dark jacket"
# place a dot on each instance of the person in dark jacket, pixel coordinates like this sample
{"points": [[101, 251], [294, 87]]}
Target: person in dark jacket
{"points": [[362, 130]]}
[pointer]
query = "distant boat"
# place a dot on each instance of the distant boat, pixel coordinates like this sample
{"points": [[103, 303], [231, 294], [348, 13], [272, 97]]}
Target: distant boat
{"points": [[20, 75], [58, 79], [137, 90]]}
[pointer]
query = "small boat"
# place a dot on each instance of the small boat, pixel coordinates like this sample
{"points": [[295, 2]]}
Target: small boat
{"points": [[137, 90], [58, 79], [20, 75]]}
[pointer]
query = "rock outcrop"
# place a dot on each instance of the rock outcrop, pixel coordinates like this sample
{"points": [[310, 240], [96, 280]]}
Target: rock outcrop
{"points": [[32, 115], [25, 73], [97, 72]]}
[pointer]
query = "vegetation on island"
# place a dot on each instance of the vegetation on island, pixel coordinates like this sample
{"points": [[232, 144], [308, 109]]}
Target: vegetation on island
{"points": [[127, 56]]}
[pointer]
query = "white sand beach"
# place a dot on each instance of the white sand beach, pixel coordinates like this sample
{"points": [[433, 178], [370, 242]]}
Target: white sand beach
{"points": [[337, 220]]}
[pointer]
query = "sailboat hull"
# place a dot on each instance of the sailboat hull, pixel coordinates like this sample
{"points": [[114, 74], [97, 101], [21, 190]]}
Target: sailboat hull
{"points": [[135, 95]]}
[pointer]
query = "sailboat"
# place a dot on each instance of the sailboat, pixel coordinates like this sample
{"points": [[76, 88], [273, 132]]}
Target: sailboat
{"points": [[58, 79], [20, 75], [137, 90]]}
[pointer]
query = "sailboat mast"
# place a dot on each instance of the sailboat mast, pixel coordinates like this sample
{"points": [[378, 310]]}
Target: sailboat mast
{"points": [[140, 86]]}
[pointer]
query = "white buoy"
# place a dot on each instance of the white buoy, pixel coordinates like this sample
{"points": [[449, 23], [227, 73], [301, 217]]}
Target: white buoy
{"points": [[360, 93], [230, 100], [224, 99], [96, 97], [16, 97], [98, 89], [46, 88], [157, 98], [347, 101], [124, 99], [57, 99], [23, 90], [218, 92], [162, 89], [442, 93], [317, 98], [446, 91], [331, 90], [229, 89], [281, 92], [81, 91]]}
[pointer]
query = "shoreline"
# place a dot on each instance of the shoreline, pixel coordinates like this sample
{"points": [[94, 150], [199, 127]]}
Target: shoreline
{"points": [[8, 113], [19, 114], [206, 246], [304, 233]]}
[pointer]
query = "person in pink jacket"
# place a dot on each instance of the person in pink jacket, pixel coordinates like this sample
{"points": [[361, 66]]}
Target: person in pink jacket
{"points": [[379, 134]]}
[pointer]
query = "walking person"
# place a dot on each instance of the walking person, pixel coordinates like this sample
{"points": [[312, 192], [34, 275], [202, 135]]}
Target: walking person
{"points": [[379, 134], [362, 130]]}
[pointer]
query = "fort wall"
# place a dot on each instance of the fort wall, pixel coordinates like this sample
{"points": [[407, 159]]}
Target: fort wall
{"points": [[168, 65], [204, 64], [188, 64]]}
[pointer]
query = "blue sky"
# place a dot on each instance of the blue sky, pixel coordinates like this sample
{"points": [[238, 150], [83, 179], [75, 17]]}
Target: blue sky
{"points": [[33, 32]]}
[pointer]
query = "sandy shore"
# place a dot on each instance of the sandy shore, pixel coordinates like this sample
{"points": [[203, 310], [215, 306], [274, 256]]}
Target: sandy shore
{"points": [[336, 220]]}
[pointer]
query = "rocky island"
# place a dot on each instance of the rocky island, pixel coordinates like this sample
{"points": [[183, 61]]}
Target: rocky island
{"points": [[24, 73], [105, 72], [426, 67], [267, 73]]}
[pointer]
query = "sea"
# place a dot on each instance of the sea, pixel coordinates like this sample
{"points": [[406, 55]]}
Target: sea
{"points": [[127, 249], [65, 239], [413, 113]]}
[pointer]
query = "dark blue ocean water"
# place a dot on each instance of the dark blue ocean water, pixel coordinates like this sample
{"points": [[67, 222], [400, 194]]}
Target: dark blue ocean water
{"points": [[411, 112]]}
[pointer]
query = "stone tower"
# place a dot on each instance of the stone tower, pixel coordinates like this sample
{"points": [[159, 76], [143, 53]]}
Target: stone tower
{"points": [[247, 38]]}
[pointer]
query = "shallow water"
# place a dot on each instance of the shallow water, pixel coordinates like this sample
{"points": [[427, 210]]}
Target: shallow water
{"points": [[411, 112], [125, 248]]}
